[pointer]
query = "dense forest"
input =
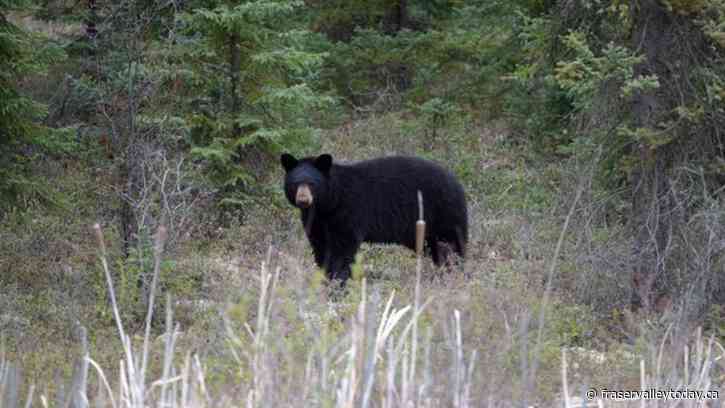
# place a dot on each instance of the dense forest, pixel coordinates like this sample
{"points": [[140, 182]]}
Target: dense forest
{"points": [[149, 257]]}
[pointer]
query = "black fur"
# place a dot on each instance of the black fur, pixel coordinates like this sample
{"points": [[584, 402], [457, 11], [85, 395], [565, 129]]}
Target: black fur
{"points": [[376, 201]]}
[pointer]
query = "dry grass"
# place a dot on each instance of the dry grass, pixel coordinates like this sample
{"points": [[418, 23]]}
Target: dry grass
{"points": [[523, 329], [454, 343]]}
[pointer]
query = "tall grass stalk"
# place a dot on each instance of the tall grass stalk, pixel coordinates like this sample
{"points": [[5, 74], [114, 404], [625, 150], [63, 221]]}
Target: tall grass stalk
{"points": [[268, 282], [529, 376], [134, 389], [379, 359], [695, 372]]}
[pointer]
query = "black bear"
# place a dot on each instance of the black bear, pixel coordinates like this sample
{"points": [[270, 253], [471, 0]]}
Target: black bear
{"points": [[374, 201]]}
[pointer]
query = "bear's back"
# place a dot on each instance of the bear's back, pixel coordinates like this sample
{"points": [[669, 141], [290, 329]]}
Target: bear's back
{"points": [[395, 167], [401, 173], [384, 193]]}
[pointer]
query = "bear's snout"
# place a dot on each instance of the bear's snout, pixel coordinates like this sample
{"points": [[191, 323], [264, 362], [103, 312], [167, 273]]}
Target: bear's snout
{"points": [[303, 198]]}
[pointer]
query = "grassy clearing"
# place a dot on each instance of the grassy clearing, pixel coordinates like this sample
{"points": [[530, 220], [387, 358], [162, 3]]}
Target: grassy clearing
{"points": [[454, 343], [247, 320]]}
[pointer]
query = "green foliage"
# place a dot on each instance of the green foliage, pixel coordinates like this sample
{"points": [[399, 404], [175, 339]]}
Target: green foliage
{"points": [[456, 51], [132, 277], [437, 113], [713, 21], [537, 105], [23, 139], [513, 187], [564, 76], [715, 322], [686, 7], [266, 94], [583, 76], [340, 19]]}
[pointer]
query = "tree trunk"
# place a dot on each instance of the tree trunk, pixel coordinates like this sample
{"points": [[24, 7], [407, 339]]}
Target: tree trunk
{"points": [[395, 20], [400, 15], [131, 167], [666, 41], [129, 174], [89, 67], [91, 30], [235, 61]]}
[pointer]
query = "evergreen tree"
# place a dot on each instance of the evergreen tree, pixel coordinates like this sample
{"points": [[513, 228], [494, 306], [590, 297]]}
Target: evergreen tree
{"points": [[254, 71], [23, 137], [635, 87]]}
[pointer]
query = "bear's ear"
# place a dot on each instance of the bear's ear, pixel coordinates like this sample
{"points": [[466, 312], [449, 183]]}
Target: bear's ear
{"points": [[323, 163], [288, 162]]}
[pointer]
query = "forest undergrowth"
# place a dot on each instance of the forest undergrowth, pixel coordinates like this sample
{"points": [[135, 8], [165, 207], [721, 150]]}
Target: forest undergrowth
{"points": [[244, 317], [149, 257]]}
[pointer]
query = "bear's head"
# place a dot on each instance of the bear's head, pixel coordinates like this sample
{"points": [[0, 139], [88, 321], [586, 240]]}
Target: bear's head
{"points": [[306, 181]]}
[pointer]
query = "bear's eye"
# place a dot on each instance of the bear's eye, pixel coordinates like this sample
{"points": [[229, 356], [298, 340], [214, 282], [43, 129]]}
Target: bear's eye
{"points": [[304, 179]]}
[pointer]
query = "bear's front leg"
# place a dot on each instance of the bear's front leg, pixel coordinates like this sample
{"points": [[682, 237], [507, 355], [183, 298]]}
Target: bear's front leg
{"points": [[341, 256], [316, 233], [319, 250]]}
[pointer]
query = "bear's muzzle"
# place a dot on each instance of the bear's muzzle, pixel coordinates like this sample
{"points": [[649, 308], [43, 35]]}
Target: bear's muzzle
{"points": [[303, 198]]}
